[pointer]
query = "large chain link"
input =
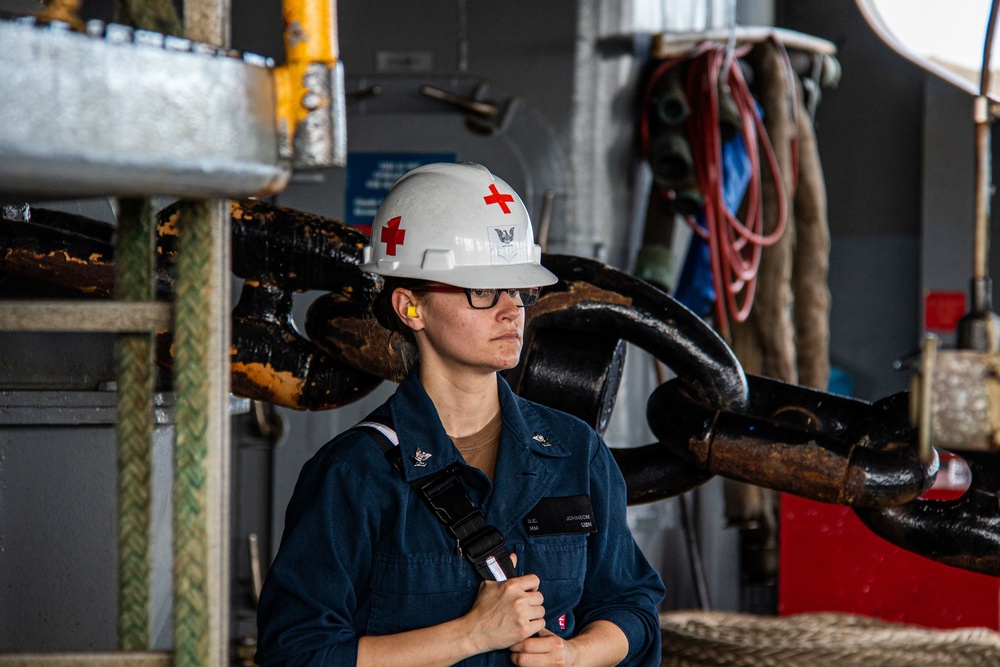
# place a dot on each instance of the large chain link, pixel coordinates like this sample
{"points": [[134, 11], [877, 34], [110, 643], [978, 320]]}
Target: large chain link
{"points": [[711, 420]]}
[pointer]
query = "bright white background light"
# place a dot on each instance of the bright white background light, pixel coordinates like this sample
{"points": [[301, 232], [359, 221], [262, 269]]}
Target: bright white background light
{"points": [[950, 31]]}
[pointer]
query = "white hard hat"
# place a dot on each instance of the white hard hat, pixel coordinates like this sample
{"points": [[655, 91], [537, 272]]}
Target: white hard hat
{"points": [[456, 224]]}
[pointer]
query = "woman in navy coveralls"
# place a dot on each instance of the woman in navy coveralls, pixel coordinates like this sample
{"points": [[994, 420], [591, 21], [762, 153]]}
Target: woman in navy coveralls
{"points": [[365, 573]]}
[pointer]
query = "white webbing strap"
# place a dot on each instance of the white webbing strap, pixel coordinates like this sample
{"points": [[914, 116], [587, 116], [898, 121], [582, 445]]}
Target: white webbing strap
{"points": [[495, 569], [383, 429]]}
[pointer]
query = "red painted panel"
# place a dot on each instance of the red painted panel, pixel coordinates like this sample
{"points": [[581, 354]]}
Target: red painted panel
{"points": [[830, 562], [943, 310]]}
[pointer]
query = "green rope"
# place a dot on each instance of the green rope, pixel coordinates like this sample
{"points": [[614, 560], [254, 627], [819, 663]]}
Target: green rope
{"points": [[134, 427], [135, 281], [191, 380]]}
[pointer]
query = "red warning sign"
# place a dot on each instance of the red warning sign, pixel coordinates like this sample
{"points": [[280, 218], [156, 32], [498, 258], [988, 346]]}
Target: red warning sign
{"points": [[943, 310]]}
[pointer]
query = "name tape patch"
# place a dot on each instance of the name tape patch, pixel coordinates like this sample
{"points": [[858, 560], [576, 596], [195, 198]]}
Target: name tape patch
{"points": [[566, 515]]}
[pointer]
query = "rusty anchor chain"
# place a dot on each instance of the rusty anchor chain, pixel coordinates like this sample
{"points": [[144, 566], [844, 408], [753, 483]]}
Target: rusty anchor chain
{"points": [[964, 532], [712, 419], [574, 353], [272, 361], [594, 297], [800, 441], [278, 252]]}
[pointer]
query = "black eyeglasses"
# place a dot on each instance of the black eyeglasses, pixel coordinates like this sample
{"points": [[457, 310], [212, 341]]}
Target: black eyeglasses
{"points": [[484, 298]]}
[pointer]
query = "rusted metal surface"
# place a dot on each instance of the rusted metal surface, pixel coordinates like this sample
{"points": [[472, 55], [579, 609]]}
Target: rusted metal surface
{"points": [[279, 251], [712, 419], [591, 296], [340, 326], [654, 472], [573, 358], [273, 362], [295, 250], [575, 371], [792, 439], [964, 532], [77, 255]]}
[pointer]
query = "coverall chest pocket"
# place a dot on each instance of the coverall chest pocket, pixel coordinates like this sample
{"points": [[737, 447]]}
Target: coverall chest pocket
{"points": [[560, 562], [417, 591]]}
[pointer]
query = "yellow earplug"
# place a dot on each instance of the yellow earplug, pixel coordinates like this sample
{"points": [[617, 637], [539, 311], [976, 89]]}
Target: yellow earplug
{"points": [[411, 311]]}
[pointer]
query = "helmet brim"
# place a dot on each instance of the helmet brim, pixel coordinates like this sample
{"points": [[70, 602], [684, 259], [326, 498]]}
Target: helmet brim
{"points": [[517, 275]]}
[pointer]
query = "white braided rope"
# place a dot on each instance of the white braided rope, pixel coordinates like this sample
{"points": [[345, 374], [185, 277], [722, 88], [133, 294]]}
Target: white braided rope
{"points": [[705, 639]]}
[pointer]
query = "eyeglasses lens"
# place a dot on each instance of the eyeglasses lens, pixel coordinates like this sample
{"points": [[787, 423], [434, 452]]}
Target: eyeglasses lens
{"points": [[488, 297]]}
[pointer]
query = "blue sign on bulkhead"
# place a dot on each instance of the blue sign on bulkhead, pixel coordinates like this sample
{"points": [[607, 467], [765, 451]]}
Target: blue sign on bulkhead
{"points": [[369, 177]]}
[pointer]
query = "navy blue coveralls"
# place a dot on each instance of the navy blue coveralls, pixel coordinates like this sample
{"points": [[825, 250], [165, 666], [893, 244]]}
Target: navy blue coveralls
{"points": [[362, 554]]}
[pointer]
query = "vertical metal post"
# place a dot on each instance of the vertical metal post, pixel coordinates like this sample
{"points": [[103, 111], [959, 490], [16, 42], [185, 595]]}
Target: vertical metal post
{"points": [[208, 21], [312, 116], [979, 329], [202, 339]]}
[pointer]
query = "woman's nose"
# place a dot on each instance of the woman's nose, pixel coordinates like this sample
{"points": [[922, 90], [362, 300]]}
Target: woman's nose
{"points": [[507, 305]]}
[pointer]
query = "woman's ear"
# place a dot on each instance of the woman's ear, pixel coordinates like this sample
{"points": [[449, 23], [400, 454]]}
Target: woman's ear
{"points": [[407, 308]]}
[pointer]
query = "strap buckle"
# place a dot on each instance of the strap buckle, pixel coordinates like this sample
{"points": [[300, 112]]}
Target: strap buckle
{"points": [[446, 495], [487, 551], [482, 544]]}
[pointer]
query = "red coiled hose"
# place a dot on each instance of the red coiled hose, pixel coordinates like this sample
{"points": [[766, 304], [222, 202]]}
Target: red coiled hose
{"points": [[734, 245]]}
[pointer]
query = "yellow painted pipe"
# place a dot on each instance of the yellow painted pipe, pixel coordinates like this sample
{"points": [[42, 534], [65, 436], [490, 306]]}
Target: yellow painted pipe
{"points": [[310, 31], [310, 39]]}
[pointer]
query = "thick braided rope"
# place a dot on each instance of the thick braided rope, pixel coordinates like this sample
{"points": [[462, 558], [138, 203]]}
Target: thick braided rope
{"points": [[134, 426], [191, 379], [706, 639]]}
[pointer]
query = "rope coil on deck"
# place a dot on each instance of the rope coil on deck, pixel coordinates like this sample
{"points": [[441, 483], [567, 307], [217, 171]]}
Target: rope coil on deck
{"points": [[704, 639]]}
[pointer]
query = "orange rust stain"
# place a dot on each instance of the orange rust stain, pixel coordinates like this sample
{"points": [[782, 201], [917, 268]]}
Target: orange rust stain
{"points": [[237, 211], [93, 260], [168, 227], [579, 292], [279, 383]]}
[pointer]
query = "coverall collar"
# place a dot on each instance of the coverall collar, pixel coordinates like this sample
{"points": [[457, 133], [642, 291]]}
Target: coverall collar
{"points": [[422, 438]]}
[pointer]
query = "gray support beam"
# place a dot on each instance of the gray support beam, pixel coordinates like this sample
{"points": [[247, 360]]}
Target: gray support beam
{"points": [[103, 316]]}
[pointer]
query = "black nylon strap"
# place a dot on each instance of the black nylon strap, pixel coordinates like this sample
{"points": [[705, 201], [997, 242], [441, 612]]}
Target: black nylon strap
{"points": [[482, 544]]}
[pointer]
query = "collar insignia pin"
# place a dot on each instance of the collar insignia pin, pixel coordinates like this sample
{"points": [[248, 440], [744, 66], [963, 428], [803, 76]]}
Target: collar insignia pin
{"points": [[538, 437], [420, 458]]}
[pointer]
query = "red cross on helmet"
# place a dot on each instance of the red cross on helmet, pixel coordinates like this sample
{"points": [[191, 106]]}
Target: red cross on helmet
{"points": [[456, 224]]}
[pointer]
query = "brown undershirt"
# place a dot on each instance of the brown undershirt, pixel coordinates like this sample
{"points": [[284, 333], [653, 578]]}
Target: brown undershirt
{"points": [[480, 449]]}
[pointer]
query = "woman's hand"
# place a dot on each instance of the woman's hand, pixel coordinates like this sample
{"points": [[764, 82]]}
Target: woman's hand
{"points": [[600, 644], [545, 649], [506, 613]]}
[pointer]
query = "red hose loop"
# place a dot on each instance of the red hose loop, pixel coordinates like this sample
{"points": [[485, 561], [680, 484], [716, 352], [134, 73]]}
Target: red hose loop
{"points": [[735, 245]]}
